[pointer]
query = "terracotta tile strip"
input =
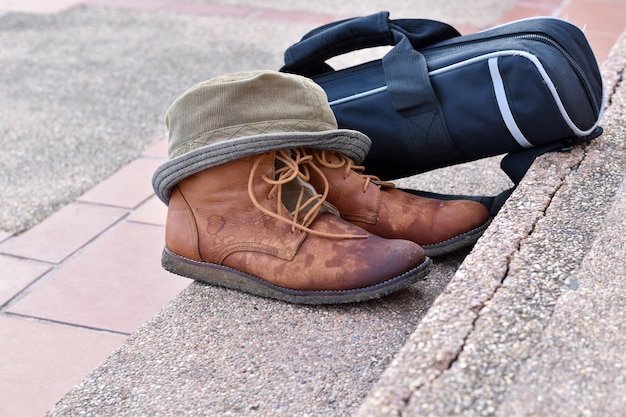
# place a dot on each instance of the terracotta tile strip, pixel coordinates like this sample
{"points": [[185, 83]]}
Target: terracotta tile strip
{"points": [[131, 4], [115, 284], [127, 188], [63, 233], [4, 235], [36, 6], [157, 150], [152, 211], [20, 273], [41, 362], [94, 227], [210, 9]]}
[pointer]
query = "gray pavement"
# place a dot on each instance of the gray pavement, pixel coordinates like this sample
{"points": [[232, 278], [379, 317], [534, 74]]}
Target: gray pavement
{"points": [[85, 91], [514, 323]]}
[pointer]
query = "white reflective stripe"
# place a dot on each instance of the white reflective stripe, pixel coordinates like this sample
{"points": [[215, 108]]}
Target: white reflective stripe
{"points": [[557, 99], [479, 58], [503, 105], [358, 95], [532, 58], [544, 75]]}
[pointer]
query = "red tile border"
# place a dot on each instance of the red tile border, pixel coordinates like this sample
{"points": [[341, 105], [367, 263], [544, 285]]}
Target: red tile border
{"points": [[132, 4], [127, 188], [63, 233], [115, 284], [466, 30], [100, 286], [602, 21], [156, 150], [602, 45], [17, 274], [209, 9], [41, 362], [37, 6], [523, 11], [599, 16], [554, 4], [153, 211], [4, 235]]}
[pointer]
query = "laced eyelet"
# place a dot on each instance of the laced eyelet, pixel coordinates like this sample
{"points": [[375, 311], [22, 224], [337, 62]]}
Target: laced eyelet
{"points": [[295, 164], [350, 167]]}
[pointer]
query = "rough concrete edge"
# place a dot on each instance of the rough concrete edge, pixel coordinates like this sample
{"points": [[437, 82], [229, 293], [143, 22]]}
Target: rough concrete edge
{"points": [[547, 384], [440, 337]]}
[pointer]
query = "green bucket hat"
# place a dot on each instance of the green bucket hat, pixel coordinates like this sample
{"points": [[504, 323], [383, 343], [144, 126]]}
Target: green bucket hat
{"points": [[249, 113]]}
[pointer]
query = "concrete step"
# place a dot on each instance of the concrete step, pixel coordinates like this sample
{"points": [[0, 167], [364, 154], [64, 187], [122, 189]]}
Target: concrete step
{"points": [[533, 322]]}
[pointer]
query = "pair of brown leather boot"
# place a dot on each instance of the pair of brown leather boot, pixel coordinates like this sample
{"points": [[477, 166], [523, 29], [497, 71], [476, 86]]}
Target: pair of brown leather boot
{"points": [[265, 196]]}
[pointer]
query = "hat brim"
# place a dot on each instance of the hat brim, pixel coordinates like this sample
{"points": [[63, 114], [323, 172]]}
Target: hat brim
{"points": [[351, 143]]}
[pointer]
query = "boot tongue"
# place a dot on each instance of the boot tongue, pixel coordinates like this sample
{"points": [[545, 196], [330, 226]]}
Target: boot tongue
{"points": [[291, 193]]}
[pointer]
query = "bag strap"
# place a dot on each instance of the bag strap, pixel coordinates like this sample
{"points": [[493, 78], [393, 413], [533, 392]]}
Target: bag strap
{"points": [[412, 95], [515, 165], [308, 56]]}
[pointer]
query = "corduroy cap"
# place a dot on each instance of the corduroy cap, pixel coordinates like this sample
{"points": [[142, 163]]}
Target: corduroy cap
{"points": [[249, 113]]}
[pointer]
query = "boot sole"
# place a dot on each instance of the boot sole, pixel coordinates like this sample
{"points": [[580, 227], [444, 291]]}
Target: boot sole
{"points": [[224, 276], [455, 243]]}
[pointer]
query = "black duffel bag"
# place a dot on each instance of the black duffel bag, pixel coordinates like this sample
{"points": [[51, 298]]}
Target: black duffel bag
{"points": [[438, 98]]}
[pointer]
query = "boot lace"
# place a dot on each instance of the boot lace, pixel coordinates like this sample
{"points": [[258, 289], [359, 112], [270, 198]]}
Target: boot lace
{"points": [[294, 163], [349, 167]]}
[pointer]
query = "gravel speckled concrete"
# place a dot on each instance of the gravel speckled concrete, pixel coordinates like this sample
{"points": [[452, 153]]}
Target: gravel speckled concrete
{"points": [[213, 351], [85, 91], [578, 367]]}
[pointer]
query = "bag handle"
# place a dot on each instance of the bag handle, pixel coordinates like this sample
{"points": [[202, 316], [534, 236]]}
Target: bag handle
{"points": [[408, 84], [308, 56]]}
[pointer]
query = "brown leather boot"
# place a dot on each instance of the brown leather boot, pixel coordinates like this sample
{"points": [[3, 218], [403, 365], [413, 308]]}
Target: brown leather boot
{"points": [[439, 226], [255, 225]]}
